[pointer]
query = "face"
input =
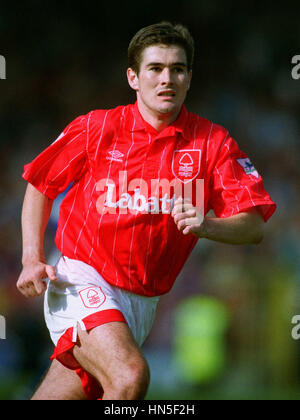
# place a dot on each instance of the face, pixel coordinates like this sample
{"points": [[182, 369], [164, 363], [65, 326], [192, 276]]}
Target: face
{"points": [[163, 80]]}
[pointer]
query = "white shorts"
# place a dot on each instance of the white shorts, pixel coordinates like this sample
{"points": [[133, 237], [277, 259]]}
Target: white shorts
{"points": [[81, 296]]}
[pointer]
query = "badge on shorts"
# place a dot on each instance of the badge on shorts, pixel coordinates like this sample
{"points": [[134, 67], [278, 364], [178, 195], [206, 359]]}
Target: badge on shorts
{"points": [[92, 297], [186, 164]]}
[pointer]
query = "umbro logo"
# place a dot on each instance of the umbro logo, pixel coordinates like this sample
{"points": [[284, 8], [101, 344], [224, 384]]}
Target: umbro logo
{"points": [[115, 156]]}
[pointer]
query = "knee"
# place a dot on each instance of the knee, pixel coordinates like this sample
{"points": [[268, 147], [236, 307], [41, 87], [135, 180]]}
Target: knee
{"points": [[138, 380], [133, 381]]}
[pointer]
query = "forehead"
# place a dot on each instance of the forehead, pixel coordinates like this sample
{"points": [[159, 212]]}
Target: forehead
{"points": [[165, 54]]}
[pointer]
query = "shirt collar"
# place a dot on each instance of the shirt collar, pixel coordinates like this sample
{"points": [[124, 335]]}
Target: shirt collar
{"points": [[135, 122]]}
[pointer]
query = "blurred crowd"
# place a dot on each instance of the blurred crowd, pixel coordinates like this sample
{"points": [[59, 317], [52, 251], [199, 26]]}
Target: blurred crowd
{"points": [[68, 64]]}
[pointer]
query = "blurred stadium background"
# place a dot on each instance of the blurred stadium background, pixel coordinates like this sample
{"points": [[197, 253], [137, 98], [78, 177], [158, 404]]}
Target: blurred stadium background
{"points": [[224, 332]]}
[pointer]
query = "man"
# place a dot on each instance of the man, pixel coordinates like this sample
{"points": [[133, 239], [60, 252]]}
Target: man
{"points": [[123, 247]]}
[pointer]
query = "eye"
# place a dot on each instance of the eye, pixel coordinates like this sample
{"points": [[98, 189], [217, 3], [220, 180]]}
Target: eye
{"points": [[155, 69], [179, 69]]}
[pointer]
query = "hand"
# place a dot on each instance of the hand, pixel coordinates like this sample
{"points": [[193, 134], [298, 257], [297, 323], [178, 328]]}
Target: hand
{"points": [[30, 282], [187, 218]]}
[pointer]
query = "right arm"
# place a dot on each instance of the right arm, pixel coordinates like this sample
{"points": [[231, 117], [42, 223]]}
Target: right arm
{"points": [[35, 216], [52, 171]]}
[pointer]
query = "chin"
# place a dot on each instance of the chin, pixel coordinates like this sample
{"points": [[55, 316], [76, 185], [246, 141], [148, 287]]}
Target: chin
{"points": [[168, 109]]}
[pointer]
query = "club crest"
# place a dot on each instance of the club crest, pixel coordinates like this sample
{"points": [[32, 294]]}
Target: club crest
{"points": [[92, 297], [186, 164]]}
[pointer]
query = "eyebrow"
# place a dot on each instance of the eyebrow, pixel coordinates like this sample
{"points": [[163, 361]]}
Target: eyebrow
{"points": [[162, 64]]}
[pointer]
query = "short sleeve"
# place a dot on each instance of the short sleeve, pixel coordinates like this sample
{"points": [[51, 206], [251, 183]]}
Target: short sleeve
{"points": [[236, 186], [62, 163]]}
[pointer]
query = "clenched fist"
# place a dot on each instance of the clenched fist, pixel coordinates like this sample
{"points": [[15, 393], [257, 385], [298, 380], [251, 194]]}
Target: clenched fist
{"points": [[187, 218], [30, 282]]}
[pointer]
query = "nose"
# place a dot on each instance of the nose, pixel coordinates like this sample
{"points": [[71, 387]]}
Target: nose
{"points": [[166, 77]]}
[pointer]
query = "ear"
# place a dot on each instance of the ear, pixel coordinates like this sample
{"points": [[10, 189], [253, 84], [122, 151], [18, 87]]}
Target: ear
{"points": [[133, 79]]}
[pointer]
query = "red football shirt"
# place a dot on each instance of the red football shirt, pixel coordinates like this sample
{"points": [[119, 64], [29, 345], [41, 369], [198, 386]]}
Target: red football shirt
{"points": [[130, 238]]}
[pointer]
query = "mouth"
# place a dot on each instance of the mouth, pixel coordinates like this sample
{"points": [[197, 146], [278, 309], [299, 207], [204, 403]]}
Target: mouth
{"points": [[167, 94]]}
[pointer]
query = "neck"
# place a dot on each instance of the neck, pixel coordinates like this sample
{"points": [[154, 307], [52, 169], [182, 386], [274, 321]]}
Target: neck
{"points": [[157, 120]]}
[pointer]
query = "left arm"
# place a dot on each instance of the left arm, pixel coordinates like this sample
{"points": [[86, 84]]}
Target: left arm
{"points": [[240, 229]]}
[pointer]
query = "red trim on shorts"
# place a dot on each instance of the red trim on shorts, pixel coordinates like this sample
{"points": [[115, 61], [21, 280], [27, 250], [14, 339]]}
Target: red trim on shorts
{"points": [[62, 351], [91, 387], [64, 354]]}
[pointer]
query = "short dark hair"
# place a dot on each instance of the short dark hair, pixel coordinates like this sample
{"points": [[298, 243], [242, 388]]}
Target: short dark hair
{"points": [[164, 33]]}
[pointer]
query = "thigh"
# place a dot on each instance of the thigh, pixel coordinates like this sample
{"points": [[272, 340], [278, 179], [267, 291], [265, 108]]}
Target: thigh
{"points": [[60, 383], [109, 352]]}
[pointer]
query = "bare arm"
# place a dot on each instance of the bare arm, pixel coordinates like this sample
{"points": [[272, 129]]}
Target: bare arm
{"points": [[35, 216], [240, 229]]}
